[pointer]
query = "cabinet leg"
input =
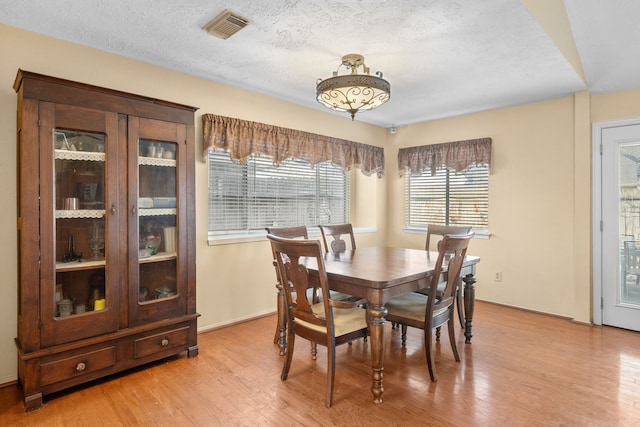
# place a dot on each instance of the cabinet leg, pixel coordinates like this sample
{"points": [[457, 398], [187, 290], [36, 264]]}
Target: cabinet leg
{"points": [[192, 351], [33, 402]]}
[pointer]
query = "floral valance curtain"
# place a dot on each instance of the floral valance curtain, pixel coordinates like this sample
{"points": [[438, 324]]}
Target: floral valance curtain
{"points": [[243, 138], [457, 155]]}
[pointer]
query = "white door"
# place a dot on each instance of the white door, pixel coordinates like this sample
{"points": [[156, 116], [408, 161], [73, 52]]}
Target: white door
{"points": [[620, 208]]}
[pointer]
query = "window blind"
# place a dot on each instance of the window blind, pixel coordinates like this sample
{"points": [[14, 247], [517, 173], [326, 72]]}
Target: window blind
{"points": [[449, 197], [257, 194]]}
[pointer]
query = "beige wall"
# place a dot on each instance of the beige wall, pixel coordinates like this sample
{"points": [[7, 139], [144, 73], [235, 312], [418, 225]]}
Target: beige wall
{"points": [[530, 202], [615, 106], [539, 186], [234, 282]]}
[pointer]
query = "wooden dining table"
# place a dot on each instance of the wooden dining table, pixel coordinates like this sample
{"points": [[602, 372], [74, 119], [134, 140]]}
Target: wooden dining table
{"points": [[380, 273]]}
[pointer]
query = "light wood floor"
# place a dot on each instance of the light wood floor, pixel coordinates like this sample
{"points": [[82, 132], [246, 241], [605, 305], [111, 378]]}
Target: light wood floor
{"points": [[522, 369]]}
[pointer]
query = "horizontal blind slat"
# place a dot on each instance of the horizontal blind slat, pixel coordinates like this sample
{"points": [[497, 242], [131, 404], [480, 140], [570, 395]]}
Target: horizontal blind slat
{"points": [[257, 194], [448, 197]]}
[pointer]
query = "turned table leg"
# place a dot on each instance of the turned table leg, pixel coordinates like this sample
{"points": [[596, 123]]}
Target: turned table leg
{"points": [[375, 314], [469, 301]]}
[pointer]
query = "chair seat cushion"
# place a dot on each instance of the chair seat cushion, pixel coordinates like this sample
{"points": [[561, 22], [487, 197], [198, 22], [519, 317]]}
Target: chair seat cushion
{"points": [[411, 306], [334, 295], [338, 296], [345, 320]]}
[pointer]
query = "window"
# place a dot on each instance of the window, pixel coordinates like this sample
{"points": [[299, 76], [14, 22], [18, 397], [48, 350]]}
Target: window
{"points": [[251, 196], [449, 197]]}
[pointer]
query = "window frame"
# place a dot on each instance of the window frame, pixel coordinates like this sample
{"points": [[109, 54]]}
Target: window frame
{"points": [[249, 167], [481, 231]]}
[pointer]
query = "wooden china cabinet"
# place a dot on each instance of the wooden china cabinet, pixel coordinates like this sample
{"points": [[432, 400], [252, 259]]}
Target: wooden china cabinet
{"points": [[106, 224]]}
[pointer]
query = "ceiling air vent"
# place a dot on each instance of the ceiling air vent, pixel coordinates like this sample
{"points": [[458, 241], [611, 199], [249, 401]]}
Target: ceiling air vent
{"points": [[226, 24]]}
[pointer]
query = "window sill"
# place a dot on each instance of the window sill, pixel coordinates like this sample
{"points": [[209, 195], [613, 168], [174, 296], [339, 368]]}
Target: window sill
{"points": [[479, 233], [260, 236]]}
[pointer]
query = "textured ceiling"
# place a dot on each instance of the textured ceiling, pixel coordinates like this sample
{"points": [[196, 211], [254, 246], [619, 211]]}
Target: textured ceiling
{"points": [[442, 57]]}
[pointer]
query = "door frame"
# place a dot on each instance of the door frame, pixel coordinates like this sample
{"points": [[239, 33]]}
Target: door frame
{"points": [[596, 233]]}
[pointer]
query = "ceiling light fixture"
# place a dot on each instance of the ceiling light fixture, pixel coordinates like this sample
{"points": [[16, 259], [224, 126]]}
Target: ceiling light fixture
{"points": [[353, 92]]}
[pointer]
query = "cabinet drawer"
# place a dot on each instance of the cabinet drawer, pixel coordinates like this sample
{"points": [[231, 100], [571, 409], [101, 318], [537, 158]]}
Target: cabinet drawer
{"points": [[82, 364], [161, 342]]}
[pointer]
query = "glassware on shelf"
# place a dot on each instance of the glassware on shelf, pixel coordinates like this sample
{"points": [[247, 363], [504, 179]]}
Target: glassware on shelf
{"points": [[70, 203], [65, 307], [71, 255], [153, 243], [149, 240], [96, 240], [163, 292], [143, 295]]}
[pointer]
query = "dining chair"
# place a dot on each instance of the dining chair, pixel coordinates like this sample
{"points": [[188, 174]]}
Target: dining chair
{"points": [[329, 322], [428, 312], [337, 242], [296, 232], [441, 230]]}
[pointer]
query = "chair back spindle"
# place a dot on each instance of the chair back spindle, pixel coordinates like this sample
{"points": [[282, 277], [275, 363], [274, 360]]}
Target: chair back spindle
{"points": [[332, 237]]}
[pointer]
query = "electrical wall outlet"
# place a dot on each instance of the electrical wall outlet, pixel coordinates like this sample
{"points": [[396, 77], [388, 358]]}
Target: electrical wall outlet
{"points": [[498, 277]]}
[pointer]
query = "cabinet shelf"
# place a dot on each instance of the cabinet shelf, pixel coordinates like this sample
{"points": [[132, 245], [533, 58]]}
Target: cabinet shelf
{"points": [[154, 161], [156, 211], [79, 265], [160, 256], [79, 155], [91, 264], [80, 213]]}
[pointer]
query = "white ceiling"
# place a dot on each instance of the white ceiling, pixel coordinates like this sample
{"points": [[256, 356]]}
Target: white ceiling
{"points": [[442, 57]]}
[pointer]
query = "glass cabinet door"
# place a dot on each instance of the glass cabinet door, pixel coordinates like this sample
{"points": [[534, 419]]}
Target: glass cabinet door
{"points": [[79, 278], [79, 222], [154, 151], [156, 220]]}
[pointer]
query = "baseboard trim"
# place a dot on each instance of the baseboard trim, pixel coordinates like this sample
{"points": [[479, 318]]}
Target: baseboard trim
{"points": [[8, 383], [234, 322], [557, 316]]}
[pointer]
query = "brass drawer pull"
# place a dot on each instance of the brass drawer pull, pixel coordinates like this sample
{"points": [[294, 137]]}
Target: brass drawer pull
{"points": [[165, 342], [81, 367]]}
